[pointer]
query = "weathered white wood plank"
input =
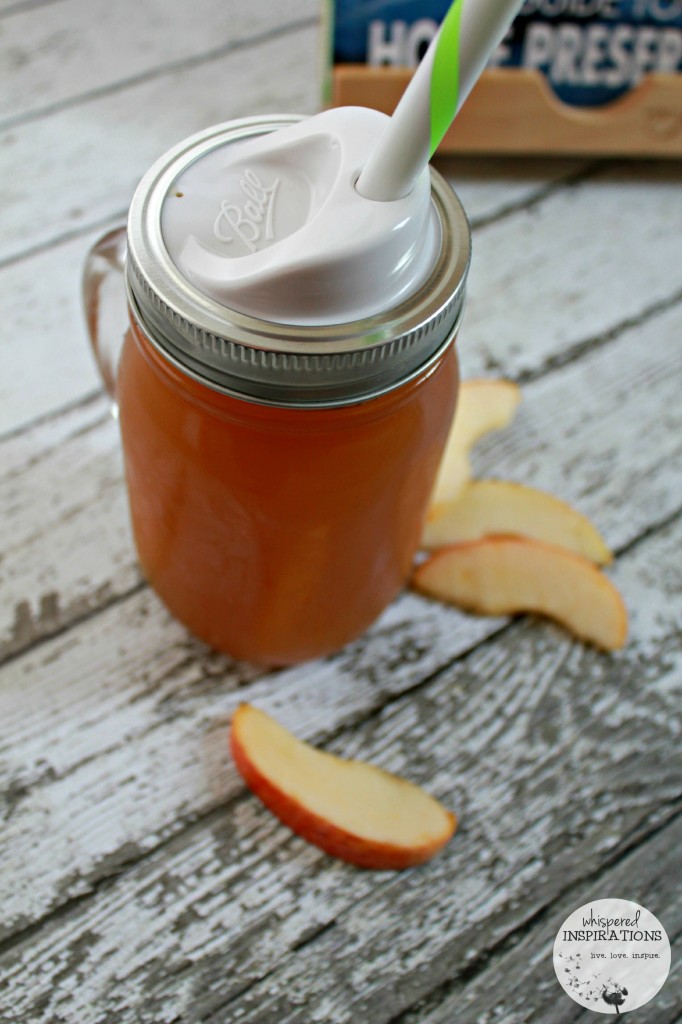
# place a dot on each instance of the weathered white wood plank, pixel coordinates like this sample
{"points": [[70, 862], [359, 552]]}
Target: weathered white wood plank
{"points": [[603, 432], [64, 51], [490, 188], [52, 530], [532, 739], [521, 979], [145, 754], [145, 663], [573, 267], [43, 342], [81, 165], [31, 444], [63, 516]]}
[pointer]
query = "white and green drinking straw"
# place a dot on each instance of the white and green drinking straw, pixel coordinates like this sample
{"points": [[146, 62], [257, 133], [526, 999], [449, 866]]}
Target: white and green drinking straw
{"points": [[456, 57]]}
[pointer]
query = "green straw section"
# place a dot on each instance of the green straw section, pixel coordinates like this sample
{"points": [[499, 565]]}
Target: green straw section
{"points": [[445, 76]]}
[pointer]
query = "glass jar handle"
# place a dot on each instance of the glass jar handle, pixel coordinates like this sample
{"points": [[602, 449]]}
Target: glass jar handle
{"points": [[104, 301]]}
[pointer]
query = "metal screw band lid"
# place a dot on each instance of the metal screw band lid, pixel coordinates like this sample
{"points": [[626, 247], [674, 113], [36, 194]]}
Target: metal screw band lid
{"points": [[277, 363]]}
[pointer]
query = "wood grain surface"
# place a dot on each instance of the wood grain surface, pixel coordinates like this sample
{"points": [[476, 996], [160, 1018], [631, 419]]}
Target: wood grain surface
{"points": [[515, 109], [139, 882]]}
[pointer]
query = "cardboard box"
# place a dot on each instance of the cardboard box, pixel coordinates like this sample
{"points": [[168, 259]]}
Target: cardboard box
{"points": [[598, 77]]}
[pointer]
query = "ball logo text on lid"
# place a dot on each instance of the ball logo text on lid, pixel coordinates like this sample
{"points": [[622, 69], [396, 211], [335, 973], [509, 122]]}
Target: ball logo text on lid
{"points": [[250, 223], [272, 226]]}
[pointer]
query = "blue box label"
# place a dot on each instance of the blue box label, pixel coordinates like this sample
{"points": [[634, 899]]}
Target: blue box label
{"points": [[590, 51]]}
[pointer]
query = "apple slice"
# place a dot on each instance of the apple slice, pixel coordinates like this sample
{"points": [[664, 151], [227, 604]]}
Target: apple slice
{"points": [[506, 575], [502, 507], [482, 406], [350, 809]]}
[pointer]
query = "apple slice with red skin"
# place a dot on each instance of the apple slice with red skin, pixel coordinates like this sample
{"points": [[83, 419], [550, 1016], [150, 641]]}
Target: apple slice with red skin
{"points": [[350, 809], [487, 507], [508, 575]]}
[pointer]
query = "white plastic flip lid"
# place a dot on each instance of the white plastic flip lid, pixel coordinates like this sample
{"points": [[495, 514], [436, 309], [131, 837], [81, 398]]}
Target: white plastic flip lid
{"points": [[272, 226], [346, 304]]}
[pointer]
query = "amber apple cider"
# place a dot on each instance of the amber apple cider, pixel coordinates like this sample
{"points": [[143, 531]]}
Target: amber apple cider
{"points": [[277, 534]]}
